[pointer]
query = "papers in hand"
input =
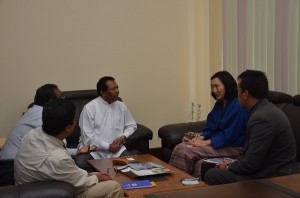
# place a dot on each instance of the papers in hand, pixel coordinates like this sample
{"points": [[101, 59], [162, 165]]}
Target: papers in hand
{"points": [[136, 184], [217, 160]]}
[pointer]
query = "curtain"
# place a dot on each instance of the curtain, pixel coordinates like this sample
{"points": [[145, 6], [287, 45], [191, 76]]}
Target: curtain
{"points": [[263, 35]]}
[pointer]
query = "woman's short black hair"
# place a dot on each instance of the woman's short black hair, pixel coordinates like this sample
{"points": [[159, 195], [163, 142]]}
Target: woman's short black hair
{"points": [[229, 83], [57, 114]]}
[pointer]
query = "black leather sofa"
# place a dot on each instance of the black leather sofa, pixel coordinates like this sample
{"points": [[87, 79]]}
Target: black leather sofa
{"points": [[172, 134], [45, 189], [137, 143], [39, 189]]}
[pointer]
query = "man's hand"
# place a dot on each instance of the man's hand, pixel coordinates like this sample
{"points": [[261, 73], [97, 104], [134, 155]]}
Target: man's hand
{"points": [[101, 176], [224, 164], [114, 146], [120, 140], [85, 149], [199, 142]]}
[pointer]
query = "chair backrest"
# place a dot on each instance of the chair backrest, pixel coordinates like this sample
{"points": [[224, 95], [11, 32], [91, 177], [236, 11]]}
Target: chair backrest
{"points": [[80, 98], [291, 107], [292, 110]]}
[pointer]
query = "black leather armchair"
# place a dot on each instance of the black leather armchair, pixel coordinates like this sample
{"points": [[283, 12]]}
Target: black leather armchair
{"points": [[172, 134], [45, 189], [38, 189], [137, 143]]}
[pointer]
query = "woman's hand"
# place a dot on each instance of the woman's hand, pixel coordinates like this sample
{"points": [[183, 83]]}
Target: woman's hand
{"points": [[199, 142]]}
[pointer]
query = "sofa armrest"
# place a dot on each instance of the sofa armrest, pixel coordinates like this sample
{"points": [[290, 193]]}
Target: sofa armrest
{"points": [[142, 133], [138, 142], [45, 189], [172, 134]]}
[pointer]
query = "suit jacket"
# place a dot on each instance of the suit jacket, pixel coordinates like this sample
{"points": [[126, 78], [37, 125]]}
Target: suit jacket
{"points": [[270, 142]]}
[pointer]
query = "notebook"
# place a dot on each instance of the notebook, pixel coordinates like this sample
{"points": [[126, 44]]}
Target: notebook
{"points": [[136, 184]]}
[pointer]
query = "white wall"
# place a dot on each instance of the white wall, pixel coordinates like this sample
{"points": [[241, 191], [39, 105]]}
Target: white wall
{"points": [[156, 49]]}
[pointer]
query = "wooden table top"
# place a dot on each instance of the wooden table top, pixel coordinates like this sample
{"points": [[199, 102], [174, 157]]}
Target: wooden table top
{"points": [[275, 187], [167, 182], [289, 182]]}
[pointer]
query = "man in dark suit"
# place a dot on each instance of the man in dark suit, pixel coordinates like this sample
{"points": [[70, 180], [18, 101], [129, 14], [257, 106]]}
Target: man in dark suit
{"points": [[270, 143]]}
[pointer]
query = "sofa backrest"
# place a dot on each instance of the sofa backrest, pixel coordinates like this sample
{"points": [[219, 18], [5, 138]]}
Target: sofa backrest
{"points": [[291, 107], [80, 98], [292, 110]]}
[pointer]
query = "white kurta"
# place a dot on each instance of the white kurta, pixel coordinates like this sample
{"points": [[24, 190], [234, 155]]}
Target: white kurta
{"points": [[101, 123]]}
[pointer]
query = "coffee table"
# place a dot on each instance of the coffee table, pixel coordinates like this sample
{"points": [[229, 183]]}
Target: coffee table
{"points": [[166, 183]]}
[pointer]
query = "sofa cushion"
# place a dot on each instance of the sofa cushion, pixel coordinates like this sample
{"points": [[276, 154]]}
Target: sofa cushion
{"points": [[37, 189]]}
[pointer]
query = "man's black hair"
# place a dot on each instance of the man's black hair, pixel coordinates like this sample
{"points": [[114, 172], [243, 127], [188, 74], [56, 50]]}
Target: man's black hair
{"points": [[57, 114], [44, 94], [101, 85], [255, 82]]}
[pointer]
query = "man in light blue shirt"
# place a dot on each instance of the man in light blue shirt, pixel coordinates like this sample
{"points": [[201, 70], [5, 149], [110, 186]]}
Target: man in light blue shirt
{"points": [[31, 119]]}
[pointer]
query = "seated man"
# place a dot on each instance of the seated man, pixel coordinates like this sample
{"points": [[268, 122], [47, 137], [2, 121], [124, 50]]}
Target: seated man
{"points": [[105, 123], [32, 119], [270, 143], [42, 155]]}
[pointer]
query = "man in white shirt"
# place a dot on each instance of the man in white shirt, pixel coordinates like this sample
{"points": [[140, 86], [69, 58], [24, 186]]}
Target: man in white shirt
{"points": [[105, 123], [42, 155]]}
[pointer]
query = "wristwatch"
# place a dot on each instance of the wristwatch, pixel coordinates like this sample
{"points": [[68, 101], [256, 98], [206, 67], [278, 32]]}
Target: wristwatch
{"points": [[125, 138], [227, 166]]}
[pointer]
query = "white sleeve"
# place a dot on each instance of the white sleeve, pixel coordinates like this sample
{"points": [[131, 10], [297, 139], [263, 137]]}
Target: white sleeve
{"points": [[86, 123], [130, 124]]}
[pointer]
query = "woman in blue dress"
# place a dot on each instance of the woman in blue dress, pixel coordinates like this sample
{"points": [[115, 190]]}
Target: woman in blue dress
{"points": [[224, 132]]}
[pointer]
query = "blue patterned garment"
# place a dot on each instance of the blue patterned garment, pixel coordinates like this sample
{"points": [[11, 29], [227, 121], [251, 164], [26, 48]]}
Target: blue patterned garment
{"points": [[226, 127]]}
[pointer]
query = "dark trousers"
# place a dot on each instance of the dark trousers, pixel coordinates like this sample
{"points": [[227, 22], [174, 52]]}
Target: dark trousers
{"points": [[217, 176]]}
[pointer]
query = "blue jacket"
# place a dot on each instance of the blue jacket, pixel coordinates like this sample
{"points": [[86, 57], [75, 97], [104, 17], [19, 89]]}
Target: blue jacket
{"points": [[226, 127]]}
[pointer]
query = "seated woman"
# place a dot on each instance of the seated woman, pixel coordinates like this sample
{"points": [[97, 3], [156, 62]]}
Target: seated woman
{"points": [[224, 132]]}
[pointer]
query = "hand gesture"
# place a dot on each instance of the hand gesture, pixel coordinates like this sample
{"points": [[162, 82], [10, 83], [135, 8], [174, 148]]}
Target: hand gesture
{"points": [[199, 142], [120, 140], [85, 149], [101, 176], [114, 146], [224, 164]]}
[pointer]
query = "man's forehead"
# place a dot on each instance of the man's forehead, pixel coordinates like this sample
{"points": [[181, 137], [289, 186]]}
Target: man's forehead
{"points": [[111, 83]]}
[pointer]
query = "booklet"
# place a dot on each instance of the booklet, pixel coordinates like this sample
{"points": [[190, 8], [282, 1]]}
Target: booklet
{"points": [[217, 160], [136, 184], [144, 169], [144, 166]]}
